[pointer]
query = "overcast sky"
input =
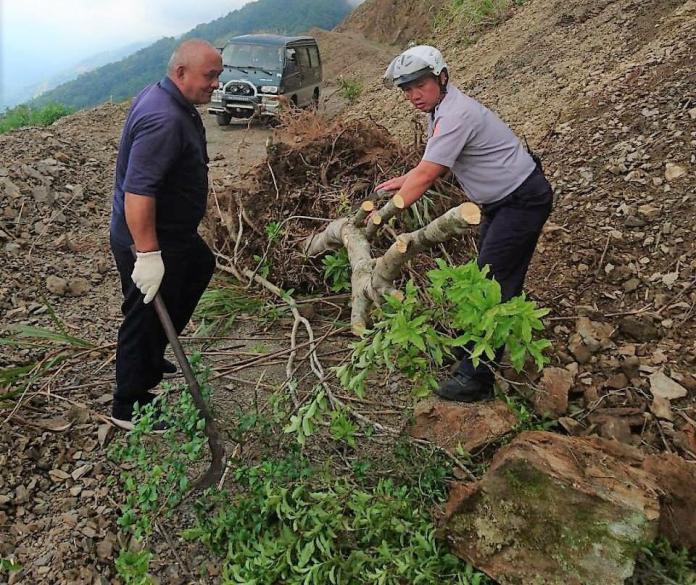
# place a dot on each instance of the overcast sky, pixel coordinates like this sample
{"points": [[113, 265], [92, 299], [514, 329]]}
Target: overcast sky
{"points": [[39, 38]]}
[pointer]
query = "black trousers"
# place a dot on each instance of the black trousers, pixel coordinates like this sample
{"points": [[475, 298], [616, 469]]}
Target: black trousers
{"points": [[510, 229], [188, 269]]}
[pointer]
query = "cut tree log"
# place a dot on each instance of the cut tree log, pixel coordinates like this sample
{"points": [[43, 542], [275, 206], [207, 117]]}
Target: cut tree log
{"points": [[373, 279]]}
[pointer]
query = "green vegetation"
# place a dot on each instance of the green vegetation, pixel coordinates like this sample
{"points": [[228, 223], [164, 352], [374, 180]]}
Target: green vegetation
{"points": [[337, 270], [350, 89], [410, 335], [56, 347], [274, 231], [22, 116], [470, 16], [124, 79], [221, 302], [661, 563], [9, 566], [287, 519]]}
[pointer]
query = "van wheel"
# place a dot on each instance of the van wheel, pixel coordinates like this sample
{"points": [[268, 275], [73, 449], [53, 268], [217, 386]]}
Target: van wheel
{"points": [[223, 119], [293, 103], [315, 98]]}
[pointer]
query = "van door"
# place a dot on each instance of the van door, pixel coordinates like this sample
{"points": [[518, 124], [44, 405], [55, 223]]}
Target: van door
{"points": [[306, 78], [292, 76]]}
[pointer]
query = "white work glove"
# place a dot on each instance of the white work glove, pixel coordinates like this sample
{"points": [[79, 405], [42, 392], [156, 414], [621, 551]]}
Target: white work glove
{"points": [[147, 273]]}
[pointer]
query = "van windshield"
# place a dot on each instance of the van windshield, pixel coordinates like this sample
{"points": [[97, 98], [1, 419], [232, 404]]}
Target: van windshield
{"points": [[249, 56]]}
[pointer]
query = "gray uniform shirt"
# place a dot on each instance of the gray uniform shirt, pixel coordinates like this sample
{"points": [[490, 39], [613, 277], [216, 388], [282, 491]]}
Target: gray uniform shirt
{"points": [[485, 156]]}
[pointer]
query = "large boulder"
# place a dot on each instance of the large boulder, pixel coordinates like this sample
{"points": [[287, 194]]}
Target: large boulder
{"points": [[677, 480], [556, 510]]}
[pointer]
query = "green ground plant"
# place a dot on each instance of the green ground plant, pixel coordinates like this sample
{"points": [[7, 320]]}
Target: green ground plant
{"points": [[350, 89], [337, 270], [274, 231], [291, 523], [56, 347], [660, 563], [158, 471], [23, 116], [221, 302], [287, 519], [413, 335], [9, 566]]}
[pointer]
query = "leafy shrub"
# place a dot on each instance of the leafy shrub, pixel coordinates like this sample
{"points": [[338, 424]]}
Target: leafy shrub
{"points": [[22, 116], [350, 89], [288, 525]]}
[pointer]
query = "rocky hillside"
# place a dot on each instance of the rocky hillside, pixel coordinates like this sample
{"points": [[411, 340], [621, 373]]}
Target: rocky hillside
{"points": [[604, 90], [391, 22]]}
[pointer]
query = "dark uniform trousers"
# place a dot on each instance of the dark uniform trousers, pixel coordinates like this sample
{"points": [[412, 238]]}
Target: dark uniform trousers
{"points": [[141, 339], [510, 229]]}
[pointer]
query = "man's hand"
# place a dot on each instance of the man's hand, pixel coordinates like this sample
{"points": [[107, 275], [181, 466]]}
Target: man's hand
{"points": [[148, 273], [392, 184]]}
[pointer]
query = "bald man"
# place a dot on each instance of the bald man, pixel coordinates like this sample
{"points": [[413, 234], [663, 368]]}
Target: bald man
{"points": [[160, 195]]}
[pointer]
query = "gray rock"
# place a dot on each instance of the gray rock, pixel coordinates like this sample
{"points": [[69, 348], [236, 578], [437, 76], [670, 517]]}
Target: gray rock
{"points": [[638, 328], [552, 506], [78, 287], [56, 285]]}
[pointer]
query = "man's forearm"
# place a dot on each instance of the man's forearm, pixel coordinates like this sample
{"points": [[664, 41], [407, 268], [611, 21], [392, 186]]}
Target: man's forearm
{"points": [[140, 214], [416, 183]]}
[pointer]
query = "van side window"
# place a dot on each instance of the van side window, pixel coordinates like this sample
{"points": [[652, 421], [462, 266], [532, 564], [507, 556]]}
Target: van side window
{"points": [[291, 60], [303, 58], [314, 56]]}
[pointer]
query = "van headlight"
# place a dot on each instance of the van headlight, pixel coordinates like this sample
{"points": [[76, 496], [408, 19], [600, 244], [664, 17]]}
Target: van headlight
{"points": [[269, 89]]}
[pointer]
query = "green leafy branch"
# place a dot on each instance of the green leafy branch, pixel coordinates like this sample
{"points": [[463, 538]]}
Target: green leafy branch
{"points": [[410, 335]]}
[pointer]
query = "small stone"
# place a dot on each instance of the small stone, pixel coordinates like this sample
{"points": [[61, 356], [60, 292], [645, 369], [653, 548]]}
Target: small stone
{"points": [[58, 475], [453, 425], [551, 397], [673, 171], [56, 285], [571, 426], [663, 386], [105, 549], [78, 286], [649, 212], [81, 471], [669, 279], [638, 328], [42, 194], [662, 408], [616, 428], [579, 350], [617, 381], [633, 221], [631, 285]]}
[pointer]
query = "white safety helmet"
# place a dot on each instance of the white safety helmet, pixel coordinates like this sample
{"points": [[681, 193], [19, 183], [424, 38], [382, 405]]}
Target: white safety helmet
{"points": [[413, 64]]}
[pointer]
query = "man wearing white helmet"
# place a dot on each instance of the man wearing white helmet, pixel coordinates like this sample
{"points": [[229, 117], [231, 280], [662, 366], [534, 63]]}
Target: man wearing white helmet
{"points": [[495, 171]]}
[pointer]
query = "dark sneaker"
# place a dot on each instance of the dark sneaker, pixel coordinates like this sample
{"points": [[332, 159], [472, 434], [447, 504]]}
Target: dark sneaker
{"points": [[158, 427], [461, 388], [122, 414], [168, 368]]}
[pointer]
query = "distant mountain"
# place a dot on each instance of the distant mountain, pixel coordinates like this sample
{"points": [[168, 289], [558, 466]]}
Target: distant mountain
{"points": [[21, 94], [123, 79]]}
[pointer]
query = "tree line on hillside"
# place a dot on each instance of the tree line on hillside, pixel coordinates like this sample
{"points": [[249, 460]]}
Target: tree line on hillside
{"points": [[123, 79]]}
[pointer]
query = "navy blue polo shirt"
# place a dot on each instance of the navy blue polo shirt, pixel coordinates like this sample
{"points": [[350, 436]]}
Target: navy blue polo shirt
{"points": [[162, 154]]}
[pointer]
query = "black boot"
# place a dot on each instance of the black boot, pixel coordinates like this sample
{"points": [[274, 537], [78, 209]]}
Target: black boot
{"points": [[462, 388]]}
